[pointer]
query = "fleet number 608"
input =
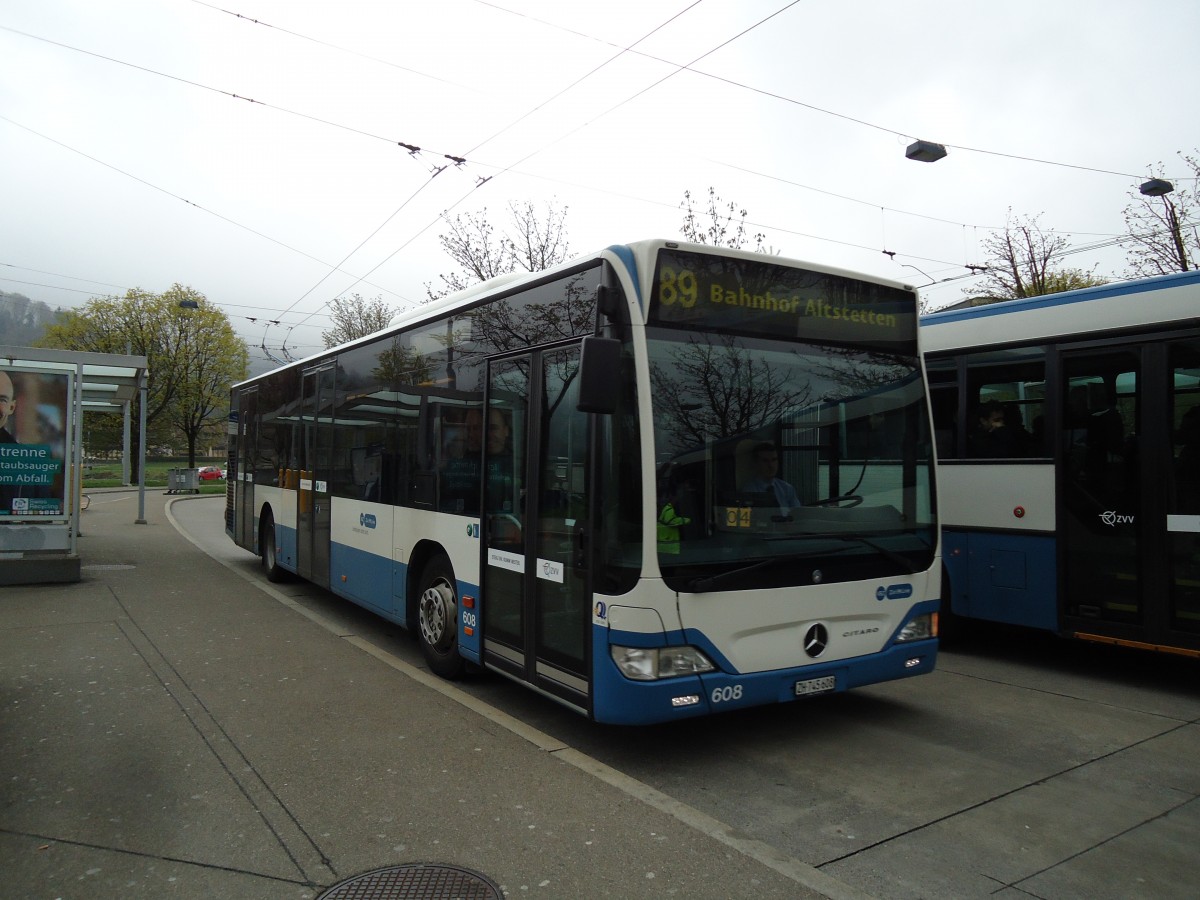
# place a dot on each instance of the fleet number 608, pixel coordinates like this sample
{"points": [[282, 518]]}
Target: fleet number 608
{"points": [[725, 694]]}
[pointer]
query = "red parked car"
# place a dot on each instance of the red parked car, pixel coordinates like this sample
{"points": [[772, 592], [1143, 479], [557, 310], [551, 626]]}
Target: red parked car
{"points": [[211, 473]]}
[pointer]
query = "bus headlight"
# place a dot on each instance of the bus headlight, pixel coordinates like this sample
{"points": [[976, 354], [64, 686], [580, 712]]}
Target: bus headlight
{"points": [[918, 628], [652, 663]]}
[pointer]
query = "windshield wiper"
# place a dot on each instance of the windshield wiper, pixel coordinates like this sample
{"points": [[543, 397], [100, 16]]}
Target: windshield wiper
{"points": [[890, 555], [701, 585]]}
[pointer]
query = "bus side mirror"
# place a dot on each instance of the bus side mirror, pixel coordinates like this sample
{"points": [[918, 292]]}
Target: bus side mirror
{"points": [[599, 368]]}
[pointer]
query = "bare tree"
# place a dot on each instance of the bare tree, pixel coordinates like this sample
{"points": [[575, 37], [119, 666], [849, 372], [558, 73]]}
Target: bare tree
{"points": [[720, 224], [1164, 232], [1020, 263], [355, 317], [715, 389], [532, 242]]}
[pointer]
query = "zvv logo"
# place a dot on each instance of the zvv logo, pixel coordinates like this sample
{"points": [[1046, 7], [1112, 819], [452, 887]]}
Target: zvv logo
{"points": [[1112, 518]]}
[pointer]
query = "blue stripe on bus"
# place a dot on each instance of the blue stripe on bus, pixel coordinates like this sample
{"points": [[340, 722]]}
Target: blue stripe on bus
{"points": [[285, 547], [624, 254], [368, 579], [1002, 577], [378, 583], [622, 701]]}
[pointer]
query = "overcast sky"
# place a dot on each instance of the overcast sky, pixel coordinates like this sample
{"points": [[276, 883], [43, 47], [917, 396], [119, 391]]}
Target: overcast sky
{"points": [[131, 159]]}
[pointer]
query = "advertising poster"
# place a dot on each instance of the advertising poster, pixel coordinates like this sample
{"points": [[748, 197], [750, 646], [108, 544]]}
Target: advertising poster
{"points": [[33, 443]]}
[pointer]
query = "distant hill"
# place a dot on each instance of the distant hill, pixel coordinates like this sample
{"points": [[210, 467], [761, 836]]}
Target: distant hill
{"points": [[23, 321]]}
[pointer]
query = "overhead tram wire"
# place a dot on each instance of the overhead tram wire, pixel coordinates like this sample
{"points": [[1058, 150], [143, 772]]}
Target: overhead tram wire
{"points": [[483, 143], [412, 148], [845, 197], [362, 243], [59, 275], [458, 160], [564, 136], [487, 141], [175, 196], [362, 279], [621, 52], [54, 287], [304, 37], [819, 109], [584, 125], [678, 68], [478, 184], [650, 87]]}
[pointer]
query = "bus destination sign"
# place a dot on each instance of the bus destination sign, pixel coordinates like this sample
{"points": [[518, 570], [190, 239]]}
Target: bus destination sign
{"points": [[751, 297]]}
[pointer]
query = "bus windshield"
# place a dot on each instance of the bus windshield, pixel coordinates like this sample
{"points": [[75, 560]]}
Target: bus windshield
{"points": [[785, 462]]}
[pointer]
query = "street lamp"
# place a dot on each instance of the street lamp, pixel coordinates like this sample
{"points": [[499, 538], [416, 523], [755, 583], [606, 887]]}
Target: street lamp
{"points": [[1156, 187], [925, 151]]}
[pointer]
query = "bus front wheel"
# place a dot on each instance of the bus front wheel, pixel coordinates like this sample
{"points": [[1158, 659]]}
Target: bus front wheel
{"points": [[437, 619]]}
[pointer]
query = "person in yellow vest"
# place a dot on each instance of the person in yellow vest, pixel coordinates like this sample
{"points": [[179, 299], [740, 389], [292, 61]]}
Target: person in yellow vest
{"points": [[670, 522]]}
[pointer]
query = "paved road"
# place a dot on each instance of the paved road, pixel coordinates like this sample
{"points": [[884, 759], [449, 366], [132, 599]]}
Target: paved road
{"points": [[1024, 766]]}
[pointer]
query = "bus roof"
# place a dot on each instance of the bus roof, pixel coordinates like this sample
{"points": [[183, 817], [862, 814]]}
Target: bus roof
{"points": [[628, 253], [1110, 307]]}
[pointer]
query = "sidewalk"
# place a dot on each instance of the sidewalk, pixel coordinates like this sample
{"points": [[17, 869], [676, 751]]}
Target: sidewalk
{"points": [[169, 729]]}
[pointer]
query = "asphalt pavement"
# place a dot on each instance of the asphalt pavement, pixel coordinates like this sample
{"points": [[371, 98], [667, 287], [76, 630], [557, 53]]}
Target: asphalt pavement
{"points": [[172, 728]]}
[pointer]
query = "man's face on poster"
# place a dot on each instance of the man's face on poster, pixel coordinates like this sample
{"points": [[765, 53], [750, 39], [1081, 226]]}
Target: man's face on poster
{"points": [[8, 399]]}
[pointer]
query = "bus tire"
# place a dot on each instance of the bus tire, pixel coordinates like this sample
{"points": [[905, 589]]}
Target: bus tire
{"points": [[270, 554], [437, 619]]}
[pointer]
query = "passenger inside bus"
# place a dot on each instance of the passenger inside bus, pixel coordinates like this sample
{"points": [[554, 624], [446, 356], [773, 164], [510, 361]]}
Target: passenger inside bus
{"points": [[501, 485], [992, 438], [459, 471], [681, 514]]}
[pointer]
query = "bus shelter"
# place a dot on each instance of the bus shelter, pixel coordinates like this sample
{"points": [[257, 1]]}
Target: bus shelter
{"points": [[43, 396]]}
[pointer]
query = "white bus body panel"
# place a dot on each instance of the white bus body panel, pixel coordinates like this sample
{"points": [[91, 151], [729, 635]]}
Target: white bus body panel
{"points": [[997, 496], [759, 631]]}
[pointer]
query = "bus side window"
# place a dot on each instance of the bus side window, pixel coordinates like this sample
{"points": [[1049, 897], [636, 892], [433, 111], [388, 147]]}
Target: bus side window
{"points": [[943, 401], [1006, 403]]}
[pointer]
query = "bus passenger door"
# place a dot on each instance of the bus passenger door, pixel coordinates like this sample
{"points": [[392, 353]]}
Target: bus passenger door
{"points": [[1181, 617], [1102, 506], [536, 589], [242, 473], [313, 506]]}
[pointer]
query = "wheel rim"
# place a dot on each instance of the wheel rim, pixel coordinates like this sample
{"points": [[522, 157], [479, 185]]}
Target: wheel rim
{"points": [[438, 611], [270, 547]]}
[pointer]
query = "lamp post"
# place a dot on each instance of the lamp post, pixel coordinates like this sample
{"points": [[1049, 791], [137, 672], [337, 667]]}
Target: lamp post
{"points": [[188, 305]]}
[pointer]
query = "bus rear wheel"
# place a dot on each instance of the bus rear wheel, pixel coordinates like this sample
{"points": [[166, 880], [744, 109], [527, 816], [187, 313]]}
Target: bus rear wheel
{"points": [[270, 555], [437, 619]]}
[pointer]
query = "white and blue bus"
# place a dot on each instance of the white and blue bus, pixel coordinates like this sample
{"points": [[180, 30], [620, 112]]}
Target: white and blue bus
{"points": [[659, 481], [1068, 433]]}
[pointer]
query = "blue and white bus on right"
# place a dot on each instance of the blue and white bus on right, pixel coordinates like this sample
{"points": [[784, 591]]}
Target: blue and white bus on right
{"points": [[1068, 440]]}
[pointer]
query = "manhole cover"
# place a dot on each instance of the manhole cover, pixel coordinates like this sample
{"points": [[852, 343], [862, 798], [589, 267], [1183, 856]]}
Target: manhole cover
{"points": [[419, 881]]}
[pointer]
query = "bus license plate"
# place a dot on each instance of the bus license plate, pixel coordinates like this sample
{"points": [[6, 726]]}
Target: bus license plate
{"points": [[816, 686]]}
